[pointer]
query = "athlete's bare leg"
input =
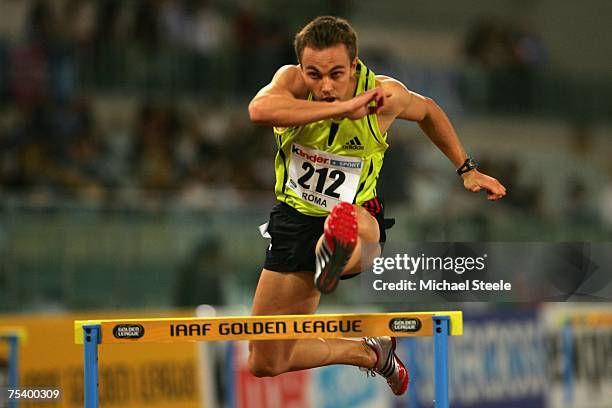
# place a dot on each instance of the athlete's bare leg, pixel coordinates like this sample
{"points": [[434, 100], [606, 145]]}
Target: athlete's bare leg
{"points": [[295, 293]]}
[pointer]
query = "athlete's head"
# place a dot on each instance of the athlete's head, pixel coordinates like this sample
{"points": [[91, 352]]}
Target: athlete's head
{"points": [[327, 51]]}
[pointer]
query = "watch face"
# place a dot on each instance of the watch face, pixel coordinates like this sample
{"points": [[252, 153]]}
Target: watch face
{"points": [[469, 164]]}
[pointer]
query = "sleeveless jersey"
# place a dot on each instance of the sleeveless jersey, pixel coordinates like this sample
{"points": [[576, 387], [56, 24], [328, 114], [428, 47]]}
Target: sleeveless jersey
{"points": [[322, 163]]}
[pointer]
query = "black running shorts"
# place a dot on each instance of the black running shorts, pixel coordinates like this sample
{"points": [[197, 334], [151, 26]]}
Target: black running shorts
{"points": [[295, 235]]}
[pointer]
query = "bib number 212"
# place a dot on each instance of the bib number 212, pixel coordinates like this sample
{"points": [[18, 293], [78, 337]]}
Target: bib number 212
{"points": [[323, 174]]}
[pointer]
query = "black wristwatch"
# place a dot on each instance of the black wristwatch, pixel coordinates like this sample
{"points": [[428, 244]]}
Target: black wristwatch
{"points": [[468, 164]]}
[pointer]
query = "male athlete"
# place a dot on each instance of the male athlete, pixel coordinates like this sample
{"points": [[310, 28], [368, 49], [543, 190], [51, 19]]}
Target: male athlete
{"points": [[330, 115]]}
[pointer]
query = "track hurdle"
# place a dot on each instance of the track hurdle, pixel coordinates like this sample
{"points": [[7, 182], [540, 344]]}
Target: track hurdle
{"points": [[13, 336], [439, 325]]}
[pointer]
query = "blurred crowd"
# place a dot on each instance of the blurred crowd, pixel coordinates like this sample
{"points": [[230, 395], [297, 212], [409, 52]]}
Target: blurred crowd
{"points": [[156, 46], [57, 151], [51, 144], [510, 57], [188, 139]]}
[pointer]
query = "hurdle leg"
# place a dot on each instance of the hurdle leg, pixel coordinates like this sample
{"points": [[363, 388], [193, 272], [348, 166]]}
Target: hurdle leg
{"points": [[441, 333], [91, 339], [567, 347], [13, 374]]}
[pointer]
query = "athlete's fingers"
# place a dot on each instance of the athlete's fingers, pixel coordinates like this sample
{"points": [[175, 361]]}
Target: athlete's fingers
{"points": [[380, 100], [375, 108], [493, 196], [372, 96], [377, 93], [495, 190], [495, 187], [374, 93], [366, 97]]}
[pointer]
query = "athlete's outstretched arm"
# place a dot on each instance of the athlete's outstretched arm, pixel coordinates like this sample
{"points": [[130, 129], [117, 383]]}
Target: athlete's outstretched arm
{"points": [[408, 105], [280, 104]]}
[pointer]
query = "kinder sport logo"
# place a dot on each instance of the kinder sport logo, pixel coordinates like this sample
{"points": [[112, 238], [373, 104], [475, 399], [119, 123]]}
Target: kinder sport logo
{"points": [[128, 331], [315, 158], [405, 325]]}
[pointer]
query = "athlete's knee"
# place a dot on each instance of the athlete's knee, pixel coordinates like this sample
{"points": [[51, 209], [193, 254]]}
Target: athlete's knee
{"points": [[367, 224], [264, 367], [263, 364]]}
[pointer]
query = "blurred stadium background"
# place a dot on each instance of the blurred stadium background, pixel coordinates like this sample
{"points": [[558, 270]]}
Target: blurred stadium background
{"points": [[131, 180]]}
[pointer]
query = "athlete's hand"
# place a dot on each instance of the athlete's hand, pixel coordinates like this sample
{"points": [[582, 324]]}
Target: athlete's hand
{"points": [[475, 181], [359, 106]]}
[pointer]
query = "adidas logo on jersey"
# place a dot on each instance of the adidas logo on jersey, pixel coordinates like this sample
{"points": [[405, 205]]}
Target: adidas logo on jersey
{"points": [[353, 144]]}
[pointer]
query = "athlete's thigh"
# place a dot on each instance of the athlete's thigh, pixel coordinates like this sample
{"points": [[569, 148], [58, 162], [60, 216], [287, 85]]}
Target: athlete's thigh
{"points": [[368, 246], [285, 293], [367, 224], [282, 293]]}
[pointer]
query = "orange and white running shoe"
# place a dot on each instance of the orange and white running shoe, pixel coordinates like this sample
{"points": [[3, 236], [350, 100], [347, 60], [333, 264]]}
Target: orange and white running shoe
{"points": [[339, 241]]}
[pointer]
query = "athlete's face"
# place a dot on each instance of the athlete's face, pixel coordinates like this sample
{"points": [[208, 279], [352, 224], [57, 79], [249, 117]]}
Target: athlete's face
{"points": [[328, 73]]}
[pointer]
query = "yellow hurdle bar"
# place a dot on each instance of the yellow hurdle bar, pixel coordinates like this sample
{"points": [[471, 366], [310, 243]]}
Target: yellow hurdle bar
{"points": [[592, 319], [276, 327], [18, 332]]}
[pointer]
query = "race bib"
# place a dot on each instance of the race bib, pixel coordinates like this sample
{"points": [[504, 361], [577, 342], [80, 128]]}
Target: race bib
{"points": [[323, 179]]}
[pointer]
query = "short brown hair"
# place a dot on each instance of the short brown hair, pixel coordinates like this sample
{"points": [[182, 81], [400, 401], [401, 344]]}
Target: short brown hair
{"points": [[326, 31]]}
